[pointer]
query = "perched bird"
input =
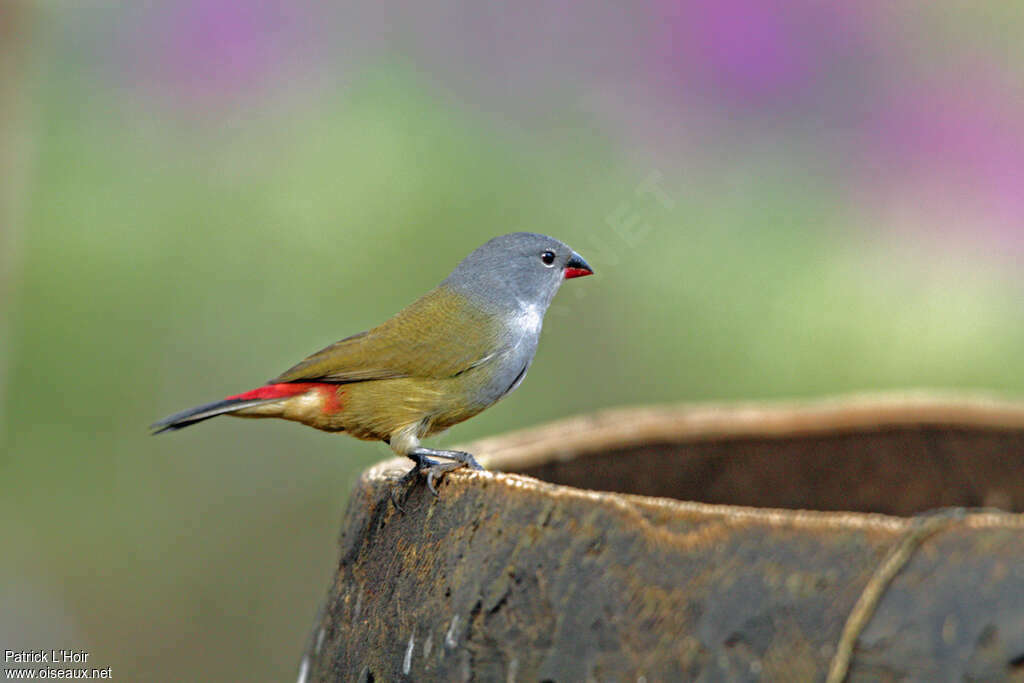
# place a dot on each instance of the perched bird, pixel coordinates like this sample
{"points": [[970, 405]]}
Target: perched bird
{"points": [[441, 360]]}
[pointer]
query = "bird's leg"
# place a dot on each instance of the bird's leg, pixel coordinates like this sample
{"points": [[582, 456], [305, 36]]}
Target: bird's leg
{"points": [[405, 441], [436, 469], [462, 457]]}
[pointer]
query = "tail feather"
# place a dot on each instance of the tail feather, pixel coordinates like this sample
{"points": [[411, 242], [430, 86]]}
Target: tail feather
{"points": [[268, 393], [191, 416]]}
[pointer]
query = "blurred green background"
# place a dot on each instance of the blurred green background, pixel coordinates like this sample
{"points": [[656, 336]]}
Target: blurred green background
{"points": [[781, 199]]}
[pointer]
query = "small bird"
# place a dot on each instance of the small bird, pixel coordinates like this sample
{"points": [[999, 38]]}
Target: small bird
{"points": [[441, 360]]}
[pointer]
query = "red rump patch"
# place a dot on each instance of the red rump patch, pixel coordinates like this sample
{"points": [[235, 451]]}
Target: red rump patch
{"points": [[276, 391], [328, 392], [332, 398], [577, 272]]}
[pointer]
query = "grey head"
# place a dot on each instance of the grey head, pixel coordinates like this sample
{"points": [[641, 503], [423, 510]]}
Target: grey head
{"points": [[520, 270]]}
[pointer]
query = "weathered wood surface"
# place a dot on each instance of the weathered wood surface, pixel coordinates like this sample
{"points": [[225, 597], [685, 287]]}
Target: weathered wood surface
{"points": [[505, 577]]}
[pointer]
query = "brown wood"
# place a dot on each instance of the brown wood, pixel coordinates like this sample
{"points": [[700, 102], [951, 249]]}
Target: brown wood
{"points": [[764, 534]]}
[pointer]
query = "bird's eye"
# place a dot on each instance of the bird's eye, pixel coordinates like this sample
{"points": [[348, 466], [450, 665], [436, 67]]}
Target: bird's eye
{"points": [[548, 257]]}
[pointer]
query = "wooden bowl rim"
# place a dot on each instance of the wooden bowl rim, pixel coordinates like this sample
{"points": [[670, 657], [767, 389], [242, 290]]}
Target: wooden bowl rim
{"points": [[621, 428]]}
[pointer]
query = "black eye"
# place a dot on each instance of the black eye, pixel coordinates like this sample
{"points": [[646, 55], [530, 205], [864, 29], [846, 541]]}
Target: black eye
{"points": [[548, 257]]}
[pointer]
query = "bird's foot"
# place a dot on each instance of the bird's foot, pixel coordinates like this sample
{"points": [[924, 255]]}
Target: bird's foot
{"points": [[434, 469]]}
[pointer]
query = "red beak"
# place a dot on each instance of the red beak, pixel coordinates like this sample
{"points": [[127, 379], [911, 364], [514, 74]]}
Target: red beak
{"points": [[577, 267]]}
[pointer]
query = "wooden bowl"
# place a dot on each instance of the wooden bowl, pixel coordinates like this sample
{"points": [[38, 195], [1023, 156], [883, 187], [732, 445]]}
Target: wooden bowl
{"points": [[840, 539]]}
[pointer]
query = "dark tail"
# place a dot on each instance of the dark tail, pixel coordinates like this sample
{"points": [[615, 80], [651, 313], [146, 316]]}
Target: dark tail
{"points": [[191, 416]]}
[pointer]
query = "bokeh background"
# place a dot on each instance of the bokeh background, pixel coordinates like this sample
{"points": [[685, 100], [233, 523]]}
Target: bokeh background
{"points": [[782, 198]]}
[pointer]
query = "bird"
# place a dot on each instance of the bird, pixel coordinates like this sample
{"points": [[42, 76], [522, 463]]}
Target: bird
{"points": [[443, 359]]}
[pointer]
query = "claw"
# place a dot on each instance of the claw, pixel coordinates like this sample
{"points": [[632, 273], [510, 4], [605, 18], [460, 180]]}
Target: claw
{"points": [[431, 476], [437, 470], [394, 499]]}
